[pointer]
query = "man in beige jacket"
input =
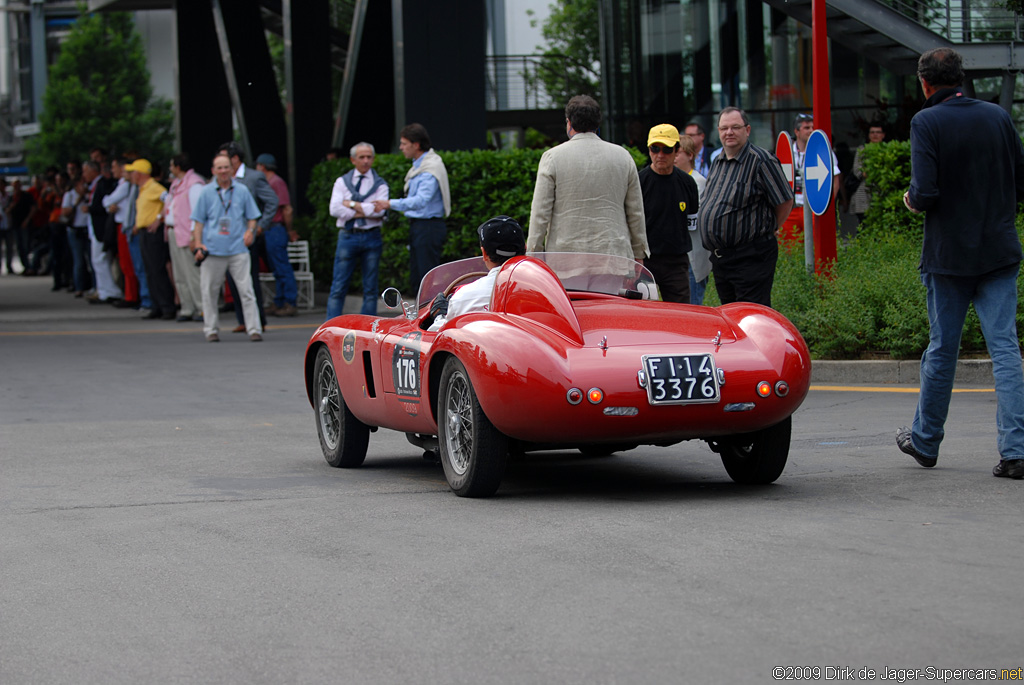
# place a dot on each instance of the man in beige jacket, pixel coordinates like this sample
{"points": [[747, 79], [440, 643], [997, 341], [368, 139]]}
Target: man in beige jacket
{"points": [[587, 197]]}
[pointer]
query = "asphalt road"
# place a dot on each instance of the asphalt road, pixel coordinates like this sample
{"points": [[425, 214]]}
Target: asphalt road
{"points": [[166, 516]]}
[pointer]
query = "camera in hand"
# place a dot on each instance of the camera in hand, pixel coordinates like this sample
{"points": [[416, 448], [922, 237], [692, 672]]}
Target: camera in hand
{"points": [[200, 253]]}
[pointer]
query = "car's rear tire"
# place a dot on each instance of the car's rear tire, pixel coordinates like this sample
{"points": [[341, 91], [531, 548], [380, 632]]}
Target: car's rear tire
{"points": [[473, 451], [343, 438], [757, 458]]}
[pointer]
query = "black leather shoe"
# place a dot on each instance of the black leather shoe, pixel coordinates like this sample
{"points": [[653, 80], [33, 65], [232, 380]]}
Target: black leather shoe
{"points": [[152, 314], [1009, 468], [906, 445]]}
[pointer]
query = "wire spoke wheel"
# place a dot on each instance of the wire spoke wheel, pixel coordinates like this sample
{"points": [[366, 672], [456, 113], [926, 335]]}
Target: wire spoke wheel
{"points": [[329, 406], [459, 420], [343, 438], [473, 451]]}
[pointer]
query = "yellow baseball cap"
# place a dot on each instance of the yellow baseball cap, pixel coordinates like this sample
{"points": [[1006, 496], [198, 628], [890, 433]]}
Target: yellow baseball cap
{"points": [[663, 134], [142, 165]]}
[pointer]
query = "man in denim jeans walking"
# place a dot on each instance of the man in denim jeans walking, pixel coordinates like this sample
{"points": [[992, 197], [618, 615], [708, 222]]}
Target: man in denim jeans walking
{"points": [[971, 252], [359, 222]]}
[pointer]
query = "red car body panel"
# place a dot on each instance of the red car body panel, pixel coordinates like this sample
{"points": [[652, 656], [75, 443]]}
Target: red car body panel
{"points": [[538, 340]]}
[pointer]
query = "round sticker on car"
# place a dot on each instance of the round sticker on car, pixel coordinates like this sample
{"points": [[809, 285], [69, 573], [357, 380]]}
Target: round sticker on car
{"points": [[348, 347]]}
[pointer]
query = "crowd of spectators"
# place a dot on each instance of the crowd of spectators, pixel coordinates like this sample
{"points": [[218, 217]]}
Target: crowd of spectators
{"points": [[117, 230]]}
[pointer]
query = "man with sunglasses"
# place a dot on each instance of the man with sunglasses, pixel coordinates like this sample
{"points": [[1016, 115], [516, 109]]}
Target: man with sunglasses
{"points": [[670, 201]]}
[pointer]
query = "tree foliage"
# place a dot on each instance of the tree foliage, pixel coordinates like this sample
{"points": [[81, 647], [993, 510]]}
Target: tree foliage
{"points": [[571, 61], [99, 94]]}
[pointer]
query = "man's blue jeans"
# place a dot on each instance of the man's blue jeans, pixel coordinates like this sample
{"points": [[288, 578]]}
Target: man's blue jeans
{"points": [[135, 250], [284, 276], [81, 275], [697, 288], [355, 248], [995, 300]]}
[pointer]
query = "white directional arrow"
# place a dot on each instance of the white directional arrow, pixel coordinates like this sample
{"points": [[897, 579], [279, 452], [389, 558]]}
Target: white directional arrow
{"points": [[818, 172]]}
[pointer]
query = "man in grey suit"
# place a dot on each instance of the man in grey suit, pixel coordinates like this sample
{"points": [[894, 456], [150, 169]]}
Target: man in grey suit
{"points": [[587, 197], [266, 200]]}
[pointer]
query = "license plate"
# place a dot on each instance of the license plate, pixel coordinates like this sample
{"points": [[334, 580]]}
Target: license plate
{"points": [[681, 379]]}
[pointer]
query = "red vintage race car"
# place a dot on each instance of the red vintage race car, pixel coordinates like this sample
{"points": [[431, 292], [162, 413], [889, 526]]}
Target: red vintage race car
{"points": [[574, 351]]}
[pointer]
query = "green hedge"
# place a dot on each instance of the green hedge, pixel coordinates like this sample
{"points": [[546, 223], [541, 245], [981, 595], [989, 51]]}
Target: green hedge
{"points": [[484, 183]]}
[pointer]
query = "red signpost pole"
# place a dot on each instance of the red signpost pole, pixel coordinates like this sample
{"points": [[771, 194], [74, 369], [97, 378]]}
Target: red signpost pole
{"points": [[824, 225]]}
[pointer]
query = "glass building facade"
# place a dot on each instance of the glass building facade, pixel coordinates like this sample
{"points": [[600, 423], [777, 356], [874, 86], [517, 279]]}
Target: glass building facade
{"points": [[675, 61]]}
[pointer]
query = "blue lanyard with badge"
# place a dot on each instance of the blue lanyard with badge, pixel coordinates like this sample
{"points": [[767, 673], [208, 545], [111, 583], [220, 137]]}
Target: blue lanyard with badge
{"points": [[224, 225]]}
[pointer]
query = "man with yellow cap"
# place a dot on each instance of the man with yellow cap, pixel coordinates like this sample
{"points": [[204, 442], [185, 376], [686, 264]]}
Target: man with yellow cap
{"points": [[670, 202], [155, 254]]}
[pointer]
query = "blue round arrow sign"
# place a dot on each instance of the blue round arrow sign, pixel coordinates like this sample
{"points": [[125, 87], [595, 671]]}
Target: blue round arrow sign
{"points": [[818, 172]]}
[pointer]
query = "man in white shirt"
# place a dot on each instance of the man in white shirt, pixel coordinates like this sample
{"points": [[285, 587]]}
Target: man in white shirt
{"points": [[803, 126], [353, 204], [501, 238]]}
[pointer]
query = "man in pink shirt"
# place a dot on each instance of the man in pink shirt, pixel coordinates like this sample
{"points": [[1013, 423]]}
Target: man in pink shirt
{"points": [[184, 190]]}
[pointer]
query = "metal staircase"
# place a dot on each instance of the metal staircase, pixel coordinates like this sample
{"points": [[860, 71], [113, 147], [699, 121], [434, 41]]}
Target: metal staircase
{"points": [[894, 33]]}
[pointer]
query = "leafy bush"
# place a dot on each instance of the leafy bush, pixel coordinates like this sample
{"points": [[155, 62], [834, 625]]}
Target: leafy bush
{"points": [[887, 173]]}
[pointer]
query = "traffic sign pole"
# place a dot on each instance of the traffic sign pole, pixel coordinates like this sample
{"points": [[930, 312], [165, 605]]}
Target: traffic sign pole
{"points": [[825, 224]]}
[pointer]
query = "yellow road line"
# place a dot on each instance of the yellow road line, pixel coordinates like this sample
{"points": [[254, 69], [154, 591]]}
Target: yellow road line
{"points": [[877, 388]]}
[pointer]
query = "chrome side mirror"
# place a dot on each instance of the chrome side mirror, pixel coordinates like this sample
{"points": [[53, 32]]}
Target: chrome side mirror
{"points": [[393, 299]]}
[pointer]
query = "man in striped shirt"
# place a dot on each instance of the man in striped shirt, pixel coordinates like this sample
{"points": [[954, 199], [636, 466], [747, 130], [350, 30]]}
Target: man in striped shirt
{"points": [[746, 199]]}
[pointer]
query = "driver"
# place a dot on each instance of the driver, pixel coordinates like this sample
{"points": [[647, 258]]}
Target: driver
{"points": [[501, 238]]}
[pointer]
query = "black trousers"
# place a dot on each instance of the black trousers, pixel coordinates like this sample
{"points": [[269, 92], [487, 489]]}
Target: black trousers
{"points": [[60, 254], [426, 242], [745, 273], [672, 274], [155, 256]]}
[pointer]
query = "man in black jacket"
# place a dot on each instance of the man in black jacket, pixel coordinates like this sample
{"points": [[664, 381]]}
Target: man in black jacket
{"points": [[107, 291], [105, 185], [971, 252]]}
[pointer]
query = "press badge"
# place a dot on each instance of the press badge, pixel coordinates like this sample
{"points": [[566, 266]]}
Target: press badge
{"points": [[224, 225]]}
